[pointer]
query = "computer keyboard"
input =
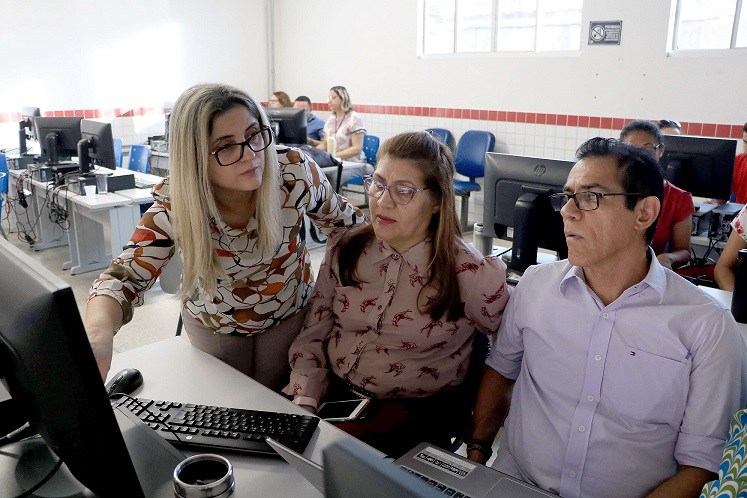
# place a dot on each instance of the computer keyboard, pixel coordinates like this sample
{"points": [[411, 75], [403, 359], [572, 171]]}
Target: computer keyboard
{"points": [[200, 427]]}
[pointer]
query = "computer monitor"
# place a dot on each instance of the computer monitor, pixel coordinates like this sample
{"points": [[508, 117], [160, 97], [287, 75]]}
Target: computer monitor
{"points": [[27, 123], [702, 166], [352, 468], [47, 366], [289, 125], [58, 137], [517, 205], [96, 146]]}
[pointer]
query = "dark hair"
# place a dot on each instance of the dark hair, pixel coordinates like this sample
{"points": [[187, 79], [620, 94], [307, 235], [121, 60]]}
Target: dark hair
{"points": [[744, 128], [668, 123], [434, 159], [303, 98], [639, 172], [644, 126]]}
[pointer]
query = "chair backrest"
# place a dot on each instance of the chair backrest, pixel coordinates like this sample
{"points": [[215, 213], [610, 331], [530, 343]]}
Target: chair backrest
{"points": [[139, 158], [371, 148], [443, 135], [4, 177], [118, 152], [470, 153]]}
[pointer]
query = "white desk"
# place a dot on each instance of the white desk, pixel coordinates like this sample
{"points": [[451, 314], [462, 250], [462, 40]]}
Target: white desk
{"points": [[174, 370]]}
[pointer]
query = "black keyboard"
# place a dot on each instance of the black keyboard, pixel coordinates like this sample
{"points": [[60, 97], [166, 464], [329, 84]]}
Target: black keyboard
{"points": [[200, 427]]}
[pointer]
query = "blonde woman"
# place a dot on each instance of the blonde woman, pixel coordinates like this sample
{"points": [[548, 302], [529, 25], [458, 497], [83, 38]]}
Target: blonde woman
{"points": [[233, 209], [345, 126]]}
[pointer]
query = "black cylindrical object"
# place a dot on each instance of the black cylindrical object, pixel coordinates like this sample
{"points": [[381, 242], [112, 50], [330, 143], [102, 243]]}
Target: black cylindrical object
{"points": [[739, 298]]}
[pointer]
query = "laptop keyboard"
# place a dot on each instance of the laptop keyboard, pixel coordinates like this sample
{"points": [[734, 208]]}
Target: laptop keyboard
{"points": [[200, 427], [443, 488]]}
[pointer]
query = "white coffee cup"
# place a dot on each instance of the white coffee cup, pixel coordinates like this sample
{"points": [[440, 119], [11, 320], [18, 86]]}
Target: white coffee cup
{"points": [[90, 192]]}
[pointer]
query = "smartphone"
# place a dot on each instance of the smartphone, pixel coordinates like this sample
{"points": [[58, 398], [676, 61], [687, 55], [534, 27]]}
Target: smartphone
{"points": [[341, 411]]}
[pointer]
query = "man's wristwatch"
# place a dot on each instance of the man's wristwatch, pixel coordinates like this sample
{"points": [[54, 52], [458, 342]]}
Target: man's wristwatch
{"points": [[483, 447]]}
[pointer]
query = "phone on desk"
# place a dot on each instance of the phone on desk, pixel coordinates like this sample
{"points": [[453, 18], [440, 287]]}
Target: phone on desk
{"points": [[342, 411]]}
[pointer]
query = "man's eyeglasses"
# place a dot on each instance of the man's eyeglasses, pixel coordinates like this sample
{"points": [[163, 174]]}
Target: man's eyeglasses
{"points": [[227, 155], [585, 201], [400, 194]]}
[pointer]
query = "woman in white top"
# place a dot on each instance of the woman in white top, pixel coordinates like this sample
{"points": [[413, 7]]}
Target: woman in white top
{"points": [[345, 125]]}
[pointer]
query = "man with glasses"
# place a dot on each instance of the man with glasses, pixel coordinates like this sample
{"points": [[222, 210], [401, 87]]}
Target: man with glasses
{"points": [[614, 376]]}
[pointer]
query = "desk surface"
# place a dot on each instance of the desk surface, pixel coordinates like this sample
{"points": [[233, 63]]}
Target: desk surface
{"points": [[174, 370]]}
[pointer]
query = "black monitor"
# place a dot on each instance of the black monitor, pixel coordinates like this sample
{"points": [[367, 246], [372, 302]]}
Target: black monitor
{"points": [[27, 123], [289, 125], [96, 146], [58, 137], [517, 205], [47, 366], [702, 166]]}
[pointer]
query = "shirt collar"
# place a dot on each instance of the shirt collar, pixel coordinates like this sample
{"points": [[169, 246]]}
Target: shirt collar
{"points": [[416, 257], [655, 278]]}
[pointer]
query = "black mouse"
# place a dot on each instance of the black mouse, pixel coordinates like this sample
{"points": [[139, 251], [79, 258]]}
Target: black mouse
{"points": [[124, 382]]}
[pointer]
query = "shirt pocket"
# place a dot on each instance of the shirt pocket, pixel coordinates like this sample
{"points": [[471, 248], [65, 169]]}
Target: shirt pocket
{"points": [[648, 387]]}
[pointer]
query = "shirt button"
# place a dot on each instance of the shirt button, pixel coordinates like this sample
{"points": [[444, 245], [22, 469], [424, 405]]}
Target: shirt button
{"points": [[598, 357], [581, 428], [378, 307], [590, 397], [606, 315], [395, 257], [572, 473]]}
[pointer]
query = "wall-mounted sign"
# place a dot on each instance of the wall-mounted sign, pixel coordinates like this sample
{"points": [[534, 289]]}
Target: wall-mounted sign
{"points": [[605, 32]]}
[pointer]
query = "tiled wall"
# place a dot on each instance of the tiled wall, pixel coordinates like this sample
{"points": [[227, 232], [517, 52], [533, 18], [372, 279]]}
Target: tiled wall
{"points": [[553, 136]]}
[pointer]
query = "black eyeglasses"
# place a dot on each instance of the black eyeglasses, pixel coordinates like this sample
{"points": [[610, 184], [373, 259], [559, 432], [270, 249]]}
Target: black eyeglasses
{"points": [[400, 194], [585, 201], [232, 153]]}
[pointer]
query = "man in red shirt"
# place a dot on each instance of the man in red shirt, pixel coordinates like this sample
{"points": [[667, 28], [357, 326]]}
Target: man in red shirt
{"points": [[739, 180]]}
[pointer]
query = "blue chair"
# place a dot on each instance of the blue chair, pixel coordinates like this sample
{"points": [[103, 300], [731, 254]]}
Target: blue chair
{"points": [[118, 152], [4, 179], [371, 151], [139, 158], [443, 135], [469, 160]]}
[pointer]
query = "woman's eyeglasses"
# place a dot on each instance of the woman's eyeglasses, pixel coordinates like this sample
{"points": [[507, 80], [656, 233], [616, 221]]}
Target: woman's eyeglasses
{"points": [[400, 194], [227, 155]]}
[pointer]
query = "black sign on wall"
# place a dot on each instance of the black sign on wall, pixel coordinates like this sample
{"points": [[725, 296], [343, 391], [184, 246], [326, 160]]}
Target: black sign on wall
{"points": [[605, 32]]}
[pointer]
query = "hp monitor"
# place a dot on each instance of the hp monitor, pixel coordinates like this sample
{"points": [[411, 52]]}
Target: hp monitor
{"points": [[289, 125], [702, 166], [47, 366], [96, 146], [27, 123], [58, 137], [517, 205]]}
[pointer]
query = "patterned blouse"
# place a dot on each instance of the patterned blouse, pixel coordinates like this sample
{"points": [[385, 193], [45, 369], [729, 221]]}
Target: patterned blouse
{"points": [[373, 334], [343, 131], [259, 290]]}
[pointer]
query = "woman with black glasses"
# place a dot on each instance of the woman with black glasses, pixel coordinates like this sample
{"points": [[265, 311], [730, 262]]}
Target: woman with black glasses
{"points": [[232, 209], [397, 303]]}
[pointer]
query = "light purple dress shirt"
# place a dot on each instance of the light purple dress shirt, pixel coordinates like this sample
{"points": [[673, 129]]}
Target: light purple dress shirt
{"points": [[610, 399]]}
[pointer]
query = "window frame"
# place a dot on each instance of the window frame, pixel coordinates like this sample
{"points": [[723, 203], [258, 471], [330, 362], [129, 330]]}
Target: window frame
{"points": [[732, 40]]}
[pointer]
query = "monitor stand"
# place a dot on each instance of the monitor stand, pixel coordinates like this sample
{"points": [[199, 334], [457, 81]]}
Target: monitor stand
{"points": [[24, 464]]}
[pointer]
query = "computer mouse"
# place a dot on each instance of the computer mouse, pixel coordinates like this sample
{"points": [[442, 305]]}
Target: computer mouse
{"points": [[124, 382]]}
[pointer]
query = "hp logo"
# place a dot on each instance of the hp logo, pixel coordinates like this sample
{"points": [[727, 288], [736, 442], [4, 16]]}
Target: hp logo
{"points": [[540, 170]]}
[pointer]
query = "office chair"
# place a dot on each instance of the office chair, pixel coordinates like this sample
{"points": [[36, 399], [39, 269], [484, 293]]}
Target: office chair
{"points": [[443, 135], [139, 158], [469, 160], [118, 152], [4, 181], [371, 151], [171, 279]]}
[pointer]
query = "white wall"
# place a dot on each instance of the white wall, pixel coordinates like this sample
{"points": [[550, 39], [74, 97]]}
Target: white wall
{"points": [[370, 47]]}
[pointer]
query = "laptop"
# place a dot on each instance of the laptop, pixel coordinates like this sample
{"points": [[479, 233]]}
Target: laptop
{"points": [[445, 472]]}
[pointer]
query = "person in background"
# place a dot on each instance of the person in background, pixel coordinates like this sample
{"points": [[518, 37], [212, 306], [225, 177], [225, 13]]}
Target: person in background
{"points": [[739, 179], [726, 266], [345, 126], [280, 99], [615, 376], [671, 241], [669, 127], [396, 305], [314, 125], [233, 209]]}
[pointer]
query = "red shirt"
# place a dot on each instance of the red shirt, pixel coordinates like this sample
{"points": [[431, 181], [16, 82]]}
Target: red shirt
{"points": [[677, 205], [739, 179]]}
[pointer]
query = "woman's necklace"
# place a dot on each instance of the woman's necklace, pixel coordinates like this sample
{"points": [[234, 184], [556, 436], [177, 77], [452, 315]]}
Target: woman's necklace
{"points": [[337, 126]]}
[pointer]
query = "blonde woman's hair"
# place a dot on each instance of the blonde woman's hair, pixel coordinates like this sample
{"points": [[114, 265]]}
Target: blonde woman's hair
{"points": [[193, 207], [342, 92]]}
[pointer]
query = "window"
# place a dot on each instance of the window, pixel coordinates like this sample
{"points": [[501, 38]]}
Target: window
{"points": [[468, 26], [709, 24]]}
